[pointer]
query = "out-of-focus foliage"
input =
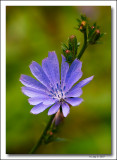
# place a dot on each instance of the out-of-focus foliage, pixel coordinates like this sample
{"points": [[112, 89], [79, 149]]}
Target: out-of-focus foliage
{"points": [[30, 33]]}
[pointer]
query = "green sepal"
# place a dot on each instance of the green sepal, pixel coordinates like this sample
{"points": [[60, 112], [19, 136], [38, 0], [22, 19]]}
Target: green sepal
{"points": [[90, 31], [64, 47], [78, 20], [72, 43], [69, 57], [83, 17]]}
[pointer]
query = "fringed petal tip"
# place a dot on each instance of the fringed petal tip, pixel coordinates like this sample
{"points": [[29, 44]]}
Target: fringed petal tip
{"points": [[29, 102], [92, 77], [51, 53], [78, 61], [21, 77], [22, 89], [32, 112], [32, 62], [83, 82], [63, 57], [30, 65]]}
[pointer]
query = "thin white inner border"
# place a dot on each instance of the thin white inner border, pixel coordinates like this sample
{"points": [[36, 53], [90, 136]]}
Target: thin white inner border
{"points": [[3, 74]]}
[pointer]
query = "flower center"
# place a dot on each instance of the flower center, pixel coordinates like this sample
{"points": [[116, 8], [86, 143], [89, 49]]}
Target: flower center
{"points": [[58, 93]]}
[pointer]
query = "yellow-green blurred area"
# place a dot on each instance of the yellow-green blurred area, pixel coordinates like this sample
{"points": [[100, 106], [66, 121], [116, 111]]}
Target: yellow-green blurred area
{"points": [[30, 33]]}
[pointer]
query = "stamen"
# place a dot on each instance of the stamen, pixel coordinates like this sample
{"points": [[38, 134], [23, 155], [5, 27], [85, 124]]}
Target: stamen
{"points": [[64, 88], [58, 93], [51, 92]]}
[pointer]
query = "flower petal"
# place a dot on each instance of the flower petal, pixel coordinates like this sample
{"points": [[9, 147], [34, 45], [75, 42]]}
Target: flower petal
{"points": [[53, 58], [84, 82], [46, 100], [31, 92], [74, 92], [31, 82], [50, 66], [74, 101], [39, 108], [65, 109], [64, 70], [38, 72], [74, 74], [54, 108]]}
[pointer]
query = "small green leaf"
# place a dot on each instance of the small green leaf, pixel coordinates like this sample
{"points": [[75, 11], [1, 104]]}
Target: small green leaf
{"points": [[64, 47], [79, 21], [83, 17]]}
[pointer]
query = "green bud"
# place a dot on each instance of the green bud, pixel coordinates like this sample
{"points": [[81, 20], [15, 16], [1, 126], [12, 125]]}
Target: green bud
{"points": [[92, 27], [82, 26], [72, 43], [83, 23], [69, 56], [95, 36], [97, 32]]}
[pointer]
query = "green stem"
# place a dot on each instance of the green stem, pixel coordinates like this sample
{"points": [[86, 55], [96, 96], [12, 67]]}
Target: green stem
{"points": [[52, 117], [42, 136], [84, 45]]}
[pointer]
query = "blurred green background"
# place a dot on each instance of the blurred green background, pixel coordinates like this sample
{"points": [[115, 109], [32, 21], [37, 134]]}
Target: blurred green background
{"points": [[30, 33]]}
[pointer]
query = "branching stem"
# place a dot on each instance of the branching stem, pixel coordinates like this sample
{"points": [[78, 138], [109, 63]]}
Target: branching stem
{"points": [[84, 45]]}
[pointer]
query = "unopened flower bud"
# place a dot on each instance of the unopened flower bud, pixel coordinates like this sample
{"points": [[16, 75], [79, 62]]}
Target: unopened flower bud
{"points": [[72, 37], [81, 28], [83, 23], [51, 133], [92, 27], [58, 118], [97, 31], [67, 51], [95, 36]]}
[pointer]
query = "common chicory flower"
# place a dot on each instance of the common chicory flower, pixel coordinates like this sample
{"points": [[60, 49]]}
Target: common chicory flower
{"points": [[48, 90]]}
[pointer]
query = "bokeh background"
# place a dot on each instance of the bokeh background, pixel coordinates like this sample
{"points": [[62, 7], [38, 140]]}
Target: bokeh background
{"points": [[30, 33]]}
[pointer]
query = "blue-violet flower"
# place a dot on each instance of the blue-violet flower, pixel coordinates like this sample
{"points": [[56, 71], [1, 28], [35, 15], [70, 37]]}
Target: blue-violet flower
{"points": [[48, 90]]}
